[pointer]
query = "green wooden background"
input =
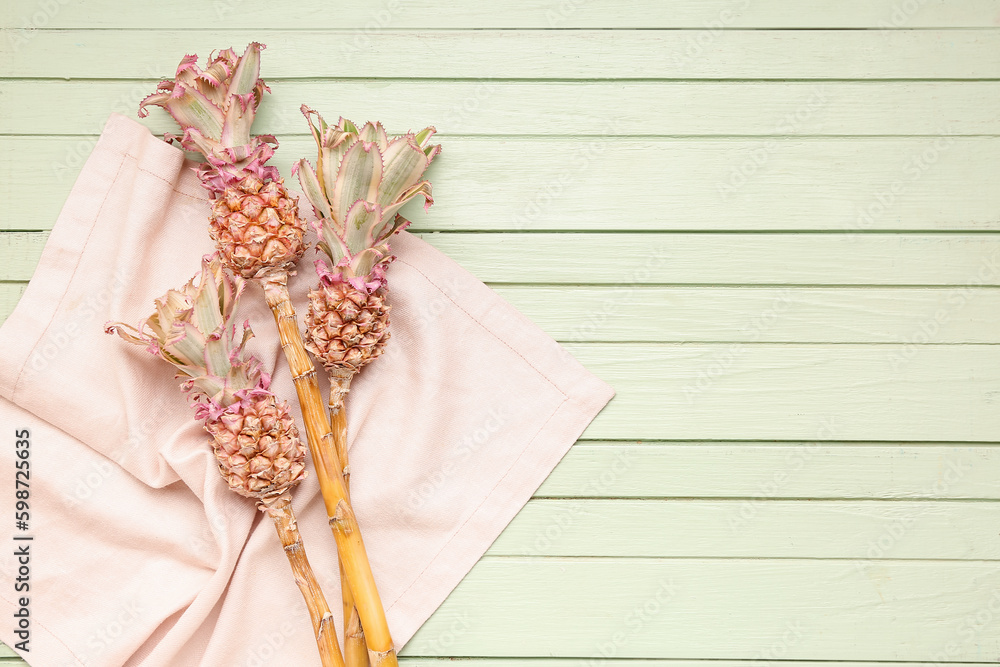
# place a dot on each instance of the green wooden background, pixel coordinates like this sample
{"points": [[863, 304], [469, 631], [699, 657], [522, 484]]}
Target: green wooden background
{"points": [[771, 225]]}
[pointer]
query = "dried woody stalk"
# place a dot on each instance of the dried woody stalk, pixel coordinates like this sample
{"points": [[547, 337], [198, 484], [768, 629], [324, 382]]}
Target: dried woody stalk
{"points": [[254, 437], [259, 235], [361, 180]]}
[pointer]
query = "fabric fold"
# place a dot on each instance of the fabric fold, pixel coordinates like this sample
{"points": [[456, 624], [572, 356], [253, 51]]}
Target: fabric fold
{"points": [[141, 555]]}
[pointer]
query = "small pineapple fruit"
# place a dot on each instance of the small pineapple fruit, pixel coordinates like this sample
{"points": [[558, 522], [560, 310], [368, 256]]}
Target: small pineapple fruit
{"points": [[361, 180], [254, 223], [254, 437], [255, 440]]}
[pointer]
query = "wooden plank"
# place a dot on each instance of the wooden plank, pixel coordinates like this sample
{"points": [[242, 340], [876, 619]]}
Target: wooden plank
{"points": [[10, 294], [506, 54], [796, 392], [633, 662], [967, 261], [734, 259], [775, 471], [652, 184], [712, 314], [599, 108], [719, 609], [708, 15], [765, 315], [869, 531], [20, 252], [706, 314]]}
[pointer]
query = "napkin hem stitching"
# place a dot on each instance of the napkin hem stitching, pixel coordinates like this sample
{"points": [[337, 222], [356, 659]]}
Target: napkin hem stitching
{"points": [[48, 630], [486, 498], [488, 330], [92, 223]]}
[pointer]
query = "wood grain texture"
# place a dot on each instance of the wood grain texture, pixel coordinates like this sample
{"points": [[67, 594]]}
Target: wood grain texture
{"points": [[385, 14], [966, 261], [733, 259], [719, 609], [773, 236], [761, 315], [747, 315], [870, 531], [796, 392], [502, 54], [592, 109], [758, 472], [637, 662], [849, 185]]}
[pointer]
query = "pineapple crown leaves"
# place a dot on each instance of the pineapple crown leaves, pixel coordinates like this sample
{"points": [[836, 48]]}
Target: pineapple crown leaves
{"points": [[194, 329], [215, 108], [361, 179]]}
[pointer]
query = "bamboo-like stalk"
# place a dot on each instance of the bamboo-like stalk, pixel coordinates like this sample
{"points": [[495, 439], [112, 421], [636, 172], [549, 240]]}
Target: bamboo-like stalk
{"points": [[355, 653], [343, 522], [280, 511]]}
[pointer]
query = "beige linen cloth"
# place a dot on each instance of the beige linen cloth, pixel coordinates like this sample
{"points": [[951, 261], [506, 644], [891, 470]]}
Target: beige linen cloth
{"points": [[140, 555]]}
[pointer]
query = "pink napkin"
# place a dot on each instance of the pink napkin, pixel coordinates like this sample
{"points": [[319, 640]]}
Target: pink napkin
{"points": [[139, 555]]}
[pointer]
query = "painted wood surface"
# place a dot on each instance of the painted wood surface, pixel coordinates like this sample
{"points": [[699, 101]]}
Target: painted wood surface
{"points": [[698, 14], [626, 184], [555, 108], [502, 54], [770, 225], [966, 262]]}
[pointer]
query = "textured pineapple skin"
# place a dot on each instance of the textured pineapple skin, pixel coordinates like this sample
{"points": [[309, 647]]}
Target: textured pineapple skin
{"points": [[257, 446], [256, 227], [346, 328]]}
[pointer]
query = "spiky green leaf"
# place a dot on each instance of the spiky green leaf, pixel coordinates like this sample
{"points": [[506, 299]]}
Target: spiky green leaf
{"points": [[312, 189], [361, 218], [360, 173], [404, 164]]}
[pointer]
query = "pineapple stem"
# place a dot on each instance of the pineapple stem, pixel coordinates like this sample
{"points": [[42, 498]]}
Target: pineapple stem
{"points": [[280, 511], [343, 522], [355, 651]]}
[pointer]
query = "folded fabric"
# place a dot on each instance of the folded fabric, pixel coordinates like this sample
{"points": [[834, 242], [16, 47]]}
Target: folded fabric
{"points": [[139, 554]]}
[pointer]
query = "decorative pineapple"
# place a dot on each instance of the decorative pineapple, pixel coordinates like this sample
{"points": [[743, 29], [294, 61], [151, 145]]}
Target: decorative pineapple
{"points": [[361, 180], [258, 234], [254, 223], [254, 437]]}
